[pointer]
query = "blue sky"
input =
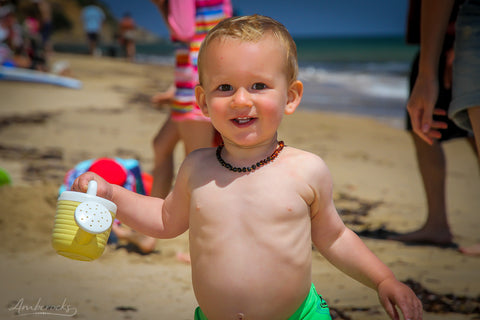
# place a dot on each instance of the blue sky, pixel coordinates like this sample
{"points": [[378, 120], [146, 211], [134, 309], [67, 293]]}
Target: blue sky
{"points": [[301, 17]]}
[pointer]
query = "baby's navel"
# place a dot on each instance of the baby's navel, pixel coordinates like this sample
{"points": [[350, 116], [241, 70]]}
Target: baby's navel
{"points": [[240, 316]]}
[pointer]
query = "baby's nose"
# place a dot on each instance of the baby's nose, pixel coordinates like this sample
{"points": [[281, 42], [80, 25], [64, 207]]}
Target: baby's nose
{"points": [[242, 98]]}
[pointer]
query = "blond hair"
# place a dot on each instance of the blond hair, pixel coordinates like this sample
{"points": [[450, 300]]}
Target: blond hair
{"points": [[253, 28]]}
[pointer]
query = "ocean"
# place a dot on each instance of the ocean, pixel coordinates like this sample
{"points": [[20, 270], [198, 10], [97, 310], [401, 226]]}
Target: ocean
{"points": [[365, 76]]}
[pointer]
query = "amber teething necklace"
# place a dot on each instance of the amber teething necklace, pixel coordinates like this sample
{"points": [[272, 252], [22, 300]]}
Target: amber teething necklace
{"points": [[253, 167]]}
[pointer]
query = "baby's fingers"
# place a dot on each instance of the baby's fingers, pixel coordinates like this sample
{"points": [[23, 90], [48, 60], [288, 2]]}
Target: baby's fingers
{"points": [[411, 310], [409, 305], [81, 183], [390, 309], [394, 294]]}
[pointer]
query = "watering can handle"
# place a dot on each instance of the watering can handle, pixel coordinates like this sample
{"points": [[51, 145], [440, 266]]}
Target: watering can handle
{"points": [[92, 188]]}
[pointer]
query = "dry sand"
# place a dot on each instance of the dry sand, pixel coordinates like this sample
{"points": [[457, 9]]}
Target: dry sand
{"points": [[45, 130]]}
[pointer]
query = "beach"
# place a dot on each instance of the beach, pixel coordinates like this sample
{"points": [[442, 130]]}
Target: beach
{"points": [[45, 130]]}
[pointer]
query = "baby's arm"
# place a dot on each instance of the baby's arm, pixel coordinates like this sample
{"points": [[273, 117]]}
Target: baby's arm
{"points": [[148, 215], [344, 249]]}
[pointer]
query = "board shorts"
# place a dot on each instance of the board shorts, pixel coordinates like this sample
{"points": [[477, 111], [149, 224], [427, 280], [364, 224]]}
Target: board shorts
{"points": [[93, 36], [312, 308], [466, 66], [443, 102]]}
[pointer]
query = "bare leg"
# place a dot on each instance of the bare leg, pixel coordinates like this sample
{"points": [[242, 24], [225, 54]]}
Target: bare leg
{"points": [[431, 162], [131, 49], [195, 134], [92, 47], [163, 146], [474, 115], [145, 243]]}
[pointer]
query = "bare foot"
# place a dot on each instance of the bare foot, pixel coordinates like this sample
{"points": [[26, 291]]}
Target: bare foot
{"points": [[121, 232], [184, 257], [145, 243], [425, 236], [473, 250]]}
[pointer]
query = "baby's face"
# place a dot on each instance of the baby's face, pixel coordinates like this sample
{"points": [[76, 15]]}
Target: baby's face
{"points": [[244, 88]]}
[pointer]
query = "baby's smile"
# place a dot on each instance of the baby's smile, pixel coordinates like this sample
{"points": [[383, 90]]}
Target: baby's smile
{"points": [[243, 120]]}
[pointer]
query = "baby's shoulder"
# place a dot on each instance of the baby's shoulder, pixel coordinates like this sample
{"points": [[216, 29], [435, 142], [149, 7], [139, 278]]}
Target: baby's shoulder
{"points": [[307, 163], [199, 156], [196, 162], [303, 157]]}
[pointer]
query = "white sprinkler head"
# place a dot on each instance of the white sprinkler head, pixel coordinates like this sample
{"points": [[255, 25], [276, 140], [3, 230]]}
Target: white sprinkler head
{"points": [[93, 217]]}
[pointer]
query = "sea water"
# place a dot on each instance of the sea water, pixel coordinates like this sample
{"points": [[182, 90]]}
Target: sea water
{"points": [[365, 76]]}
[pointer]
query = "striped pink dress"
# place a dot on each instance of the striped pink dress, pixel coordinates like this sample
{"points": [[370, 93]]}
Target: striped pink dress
{"points": [[207, 14]]}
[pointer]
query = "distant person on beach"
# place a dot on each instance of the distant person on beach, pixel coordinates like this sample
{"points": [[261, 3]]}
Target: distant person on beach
{"points": [[33, 42], [431, 157], [464, 109], [11, 40], [17, 41], [46, 23], [252, 221], [93, 18], [127, 30]]}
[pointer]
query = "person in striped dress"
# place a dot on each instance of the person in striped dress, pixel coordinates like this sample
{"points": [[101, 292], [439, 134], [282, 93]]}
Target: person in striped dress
{"points": [[188, 23]]}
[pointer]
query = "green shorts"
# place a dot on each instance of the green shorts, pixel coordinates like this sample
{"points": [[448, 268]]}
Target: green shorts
{"points": [[313, 308]]}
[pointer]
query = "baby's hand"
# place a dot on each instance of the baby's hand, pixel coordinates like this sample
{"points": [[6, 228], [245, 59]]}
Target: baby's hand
{"points": [[104, 189], [392, 293]]}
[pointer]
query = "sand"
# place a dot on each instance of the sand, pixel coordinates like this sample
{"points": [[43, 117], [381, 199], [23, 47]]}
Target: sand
{"points": [[45, 130]]}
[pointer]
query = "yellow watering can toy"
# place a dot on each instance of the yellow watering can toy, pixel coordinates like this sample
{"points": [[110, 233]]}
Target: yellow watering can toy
{"points": [[82, 224]]}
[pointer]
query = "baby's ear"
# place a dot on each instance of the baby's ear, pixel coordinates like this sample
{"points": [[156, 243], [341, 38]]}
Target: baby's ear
{"points": [[295, 92], [201, 100]]}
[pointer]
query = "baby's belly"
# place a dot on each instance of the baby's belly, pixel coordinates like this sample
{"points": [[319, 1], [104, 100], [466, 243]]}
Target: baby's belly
{"points": [[255, 263], [260, 285]]}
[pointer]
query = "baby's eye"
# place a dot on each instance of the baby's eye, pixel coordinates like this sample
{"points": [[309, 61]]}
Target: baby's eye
{"points": [[259, 86], [225, 87]]}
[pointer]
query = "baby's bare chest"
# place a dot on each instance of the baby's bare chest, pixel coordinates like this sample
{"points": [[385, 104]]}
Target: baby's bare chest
{"points": [[251, 204]]}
